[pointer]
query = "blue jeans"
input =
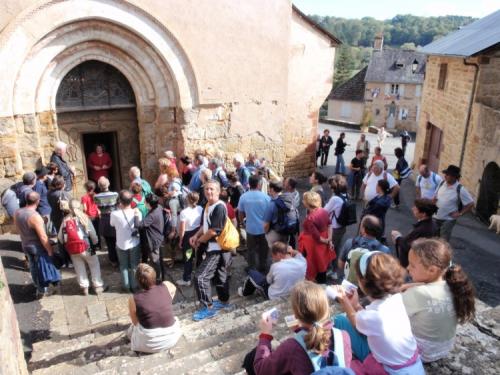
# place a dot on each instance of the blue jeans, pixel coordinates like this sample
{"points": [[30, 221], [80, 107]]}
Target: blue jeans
{"points": [[340, 166], [129, 260], [33, 259], [359, 343]]}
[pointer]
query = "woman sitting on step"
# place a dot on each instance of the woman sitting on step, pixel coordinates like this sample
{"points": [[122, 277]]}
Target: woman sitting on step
{"points": [[154, 327]]}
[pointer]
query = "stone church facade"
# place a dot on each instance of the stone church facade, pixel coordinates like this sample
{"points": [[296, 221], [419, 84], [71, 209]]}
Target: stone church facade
{"points": [[146, 76]]}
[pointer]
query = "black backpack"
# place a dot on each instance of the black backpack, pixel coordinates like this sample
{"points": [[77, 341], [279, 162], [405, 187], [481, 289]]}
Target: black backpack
{"points": [[348, 214], [288, 217]]}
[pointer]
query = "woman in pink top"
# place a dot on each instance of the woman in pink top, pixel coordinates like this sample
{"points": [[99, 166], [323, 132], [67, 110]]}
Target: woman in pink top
{"points": [[315, 239]]}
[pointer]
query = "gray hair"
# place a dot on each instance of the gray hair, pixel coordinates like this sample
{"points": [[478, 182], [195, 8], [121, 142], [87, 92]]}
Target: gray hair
{"points": [[217, 162], [60, 146], [238, 158], [379, 164], [135, 172], [103, 183]]}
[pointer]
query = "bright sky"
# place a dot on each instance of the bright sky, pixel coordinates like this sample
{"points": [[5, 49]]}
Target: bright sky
{"points": [[385, 9]]}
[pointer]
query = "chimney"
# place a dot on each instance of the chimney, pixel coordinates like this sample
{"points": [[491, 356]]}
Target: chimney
{"points": [[379, 42]]}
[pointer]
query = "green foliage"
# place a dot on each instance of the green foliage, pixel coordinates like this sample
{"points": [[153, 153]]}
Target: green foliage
{"points": [[344, 65], [397, 31]]}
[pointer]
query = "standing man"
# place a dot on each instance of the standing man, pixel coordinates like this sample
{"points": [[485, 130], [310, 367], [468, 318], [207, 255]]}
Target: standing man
{"points": [[325, 143], [35, 245], [405, 138], [216, 262], [241, 170], [427, 183], [218, 172], [369, 187], [452, 200], [65, 170], [364, 146], [252, 206], [356, 175], [25, 187], [339, 153]]}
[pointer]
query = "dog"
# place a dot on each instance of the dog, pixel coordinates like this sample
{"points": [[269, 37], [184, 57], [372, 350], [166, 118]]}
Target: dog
{"points": [[495, 223]]}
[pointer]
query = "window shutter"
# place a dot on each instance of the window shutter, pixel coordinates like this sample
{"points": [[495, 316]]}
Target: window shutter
{"points": [[401, 89]]}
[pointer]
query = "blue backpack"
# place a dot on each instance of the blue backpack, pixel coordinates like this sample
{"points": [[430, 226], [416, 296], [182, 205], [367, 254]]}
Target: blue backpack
{"points": [[334, 362]]}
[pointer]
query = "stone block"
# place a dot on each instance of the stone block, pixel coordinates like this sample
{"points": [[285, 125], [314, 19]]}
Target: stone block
{"points": [[7, 127], [117, 307], [97, 313]]}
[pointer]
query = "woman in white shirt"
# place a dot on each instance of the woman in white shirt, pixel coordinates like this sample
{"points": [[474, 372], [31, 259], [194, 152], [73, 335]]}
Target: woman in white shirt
{"points": [[381, 335], [189, 224]]}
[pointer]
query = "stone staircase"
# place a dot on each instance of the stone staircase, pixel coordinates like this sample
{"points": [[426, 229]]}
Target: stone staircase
{"points": [[88, 335]]}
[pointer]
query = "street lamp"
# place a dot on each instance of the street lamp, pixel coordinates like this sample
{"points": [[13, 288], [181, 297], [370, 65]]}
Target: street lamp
{"points": [[414, 66]]}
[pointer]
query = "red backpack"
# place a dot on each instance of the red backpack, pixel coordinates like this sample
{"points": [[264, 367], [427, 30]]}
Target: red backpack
{"points": [[74, 243]]}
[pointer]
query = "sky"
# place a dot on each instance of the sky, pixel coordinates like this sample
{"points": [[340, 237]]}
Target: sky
{"points": [[385, 9]]}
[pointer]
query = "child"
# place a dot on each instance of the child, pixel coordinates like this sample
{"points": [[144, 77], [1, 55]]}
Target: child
{"points": [[314, 337], [189, 224], [90, 207], [381, 334], [231, 213], [288, 268], [442, 285]]}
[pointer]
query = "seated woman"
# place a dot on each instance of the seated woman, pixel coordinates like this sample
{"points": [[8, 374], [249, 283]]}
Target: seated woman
{"points": [[442, 285], [381, 335], [316, 343], [424, 228], [315, 239], [154, 327]]}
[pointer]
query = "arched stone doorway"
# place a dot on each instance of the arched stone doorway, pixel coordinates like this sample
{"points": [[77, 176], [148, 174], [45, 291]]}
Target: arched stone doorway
{"points": [[95, 104]]}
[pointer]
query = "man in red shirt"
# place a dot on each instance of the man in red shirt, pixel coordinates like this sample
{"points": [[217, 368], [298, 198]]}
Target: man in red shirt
{"points": [[99, 163]]}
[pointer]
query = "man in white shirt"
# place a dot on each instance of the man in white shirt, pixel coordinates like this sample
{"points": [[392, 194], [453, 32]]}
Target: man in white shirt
{"points": [[288, 268], [427, 183], [125, 220], [369, 187], [452, 200]]}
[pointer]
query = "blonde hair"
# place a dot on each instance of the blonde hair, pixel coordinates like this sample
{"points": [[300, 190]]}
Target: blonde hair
{"points": [[311, 199], [103, 183], [310, 306], [164, 163]]}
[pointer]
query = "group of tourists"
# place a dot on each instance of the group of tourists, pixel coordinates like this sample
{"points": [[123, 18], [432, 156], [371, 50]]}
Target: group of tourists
{"points": [[199, 210]]}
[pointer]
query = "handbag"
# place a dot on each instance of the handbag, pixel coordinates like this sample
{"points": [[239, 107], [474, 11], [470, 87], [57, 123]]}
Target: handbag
{"points": [[134, 232]]}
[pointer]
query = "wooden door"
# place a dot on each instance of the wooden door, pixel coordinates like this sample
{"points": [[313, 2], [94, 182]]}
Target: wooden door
{"points": [[434, 147]]}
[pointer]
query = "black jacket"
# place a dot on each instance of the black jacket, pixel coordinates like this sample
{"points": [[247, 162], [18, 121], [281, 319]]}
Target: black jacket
{"points": [[422, 229], [153, 227], [340, 146], [64, 170]]}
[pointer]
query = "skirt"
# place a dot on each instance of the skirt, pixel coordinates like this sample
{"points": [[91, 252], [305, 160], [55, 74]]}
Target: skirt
{"points": [[153, 340]]}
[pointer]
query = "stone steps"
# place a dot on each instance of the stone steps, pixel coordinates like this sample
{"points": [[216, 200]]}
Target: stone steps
{"points": [[215, 346]]}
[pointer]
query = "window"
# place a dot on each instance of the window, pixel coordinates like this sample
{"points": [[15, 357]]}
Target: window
{"points": [[418, 91], [443, 71], [403, 114], [345, 110], [394, 89]]}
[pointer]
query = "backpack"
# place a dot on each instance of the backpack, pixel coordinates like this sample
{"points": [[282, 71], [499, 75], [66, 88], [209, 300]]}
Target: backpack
{"points": [[167, 223], [433, 177], [333, 361], [229, 238], [141, 205], [288, 216], [74, 238], [10, 201], [347, 215], [460, 205]]}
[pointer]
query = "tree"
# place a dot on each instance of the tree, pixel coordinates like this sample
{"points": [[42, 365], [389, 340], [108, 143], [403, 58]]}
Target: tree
{"points": [[343, 66], [409, 46]]}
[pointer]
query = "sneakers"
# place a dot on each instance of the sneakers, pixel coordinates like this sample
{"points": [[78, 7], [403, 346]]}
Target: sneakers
{"points": [[396, 206], [205, 313], [182, 282], [240, 291], [218, 305]]}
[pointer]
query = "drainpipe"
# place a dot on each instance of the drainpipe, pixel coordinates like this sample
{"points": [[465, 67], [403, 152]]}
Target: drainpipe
{"points": [[469, 112]]}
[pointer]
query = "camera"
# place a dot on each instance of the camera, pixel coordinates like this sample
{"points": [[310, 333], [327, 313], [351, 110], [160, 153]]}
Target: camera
{"points": [[135, 233]]}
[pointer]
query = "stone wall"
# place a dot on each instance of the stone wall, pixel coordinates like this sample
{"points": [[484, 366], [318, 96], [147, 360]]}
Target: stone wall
{"points": [[11, 353], [447, 109], [409, 99]]}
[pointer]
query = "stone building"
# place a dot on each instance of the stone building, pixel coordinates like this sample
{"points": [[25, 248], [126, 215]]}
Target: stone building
{"points": [[392, 86], [145, 76], [460, 118]]}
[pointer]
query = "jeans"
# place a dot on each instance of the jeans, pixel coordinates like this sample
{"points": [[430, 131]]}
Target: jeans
{"points": [[340, 166], [258, 252], [359, 342], [396, 197], [445, 228], [129, 260], [79, 261], [324, 156], [33, 259]]}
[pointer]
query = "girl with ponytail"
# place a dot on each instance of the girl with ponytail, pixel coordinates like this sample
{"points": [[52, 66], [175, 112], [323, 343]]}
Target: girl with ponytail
{"points": [[442, 297], [314, 346]]}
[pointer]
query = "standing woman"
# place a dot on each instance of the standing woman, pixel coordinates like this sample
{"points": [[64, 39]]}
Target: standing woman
{"points": [[315, 239], [99, 163], [317, 180], [55, 195], [106, 202], [401, 172], [187, 170], [172, 170]]}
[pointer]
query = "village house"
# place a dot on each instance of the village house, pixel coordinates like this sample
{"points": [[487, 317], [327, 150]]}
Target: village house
{"points": [[146, 76], [460, 114], [391, 86]]}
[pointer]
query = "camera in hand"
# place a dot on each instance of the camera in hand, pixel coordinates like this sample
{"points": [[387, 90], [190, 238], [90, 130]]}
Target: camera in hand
{"points": [[135, 233]]}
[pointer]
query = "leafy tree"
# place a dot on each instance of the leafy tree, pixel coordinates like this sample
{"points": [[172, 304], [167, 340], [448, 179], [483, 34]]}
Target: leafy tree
{"points": [[344, 66]]}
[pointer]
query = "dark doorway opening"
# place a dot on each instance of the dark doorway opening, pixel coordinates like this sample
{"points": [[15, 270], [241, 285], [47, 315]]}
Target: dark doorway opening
{"points": [[489, 192], [110, 143]]}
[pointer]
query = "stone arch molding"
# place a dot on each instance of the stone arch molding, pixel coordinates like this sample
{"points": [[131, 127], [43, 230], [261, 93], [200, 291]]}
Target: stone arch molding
{"points": [[45, 41]]}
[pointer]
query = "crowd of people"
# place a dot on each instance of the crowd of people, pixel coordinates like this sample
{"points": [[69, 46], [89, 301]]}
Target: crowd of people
{"points": [[199, 210]]}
